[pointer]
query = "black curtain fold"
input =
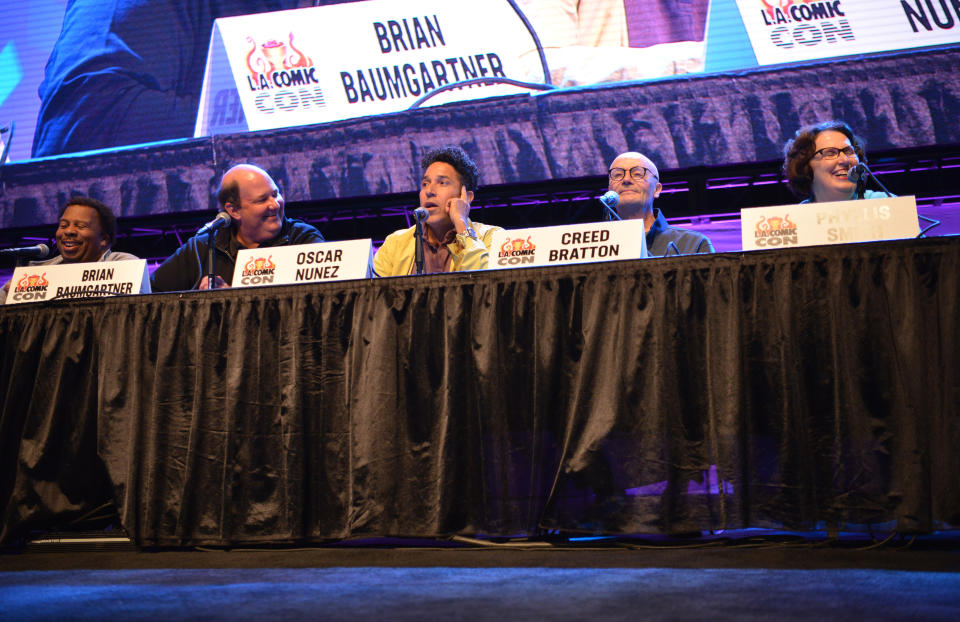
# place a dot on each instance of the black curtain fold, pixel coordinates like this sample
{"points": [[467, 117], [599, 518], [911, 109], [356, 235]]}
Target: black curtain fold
{"points": [[802, 389]]}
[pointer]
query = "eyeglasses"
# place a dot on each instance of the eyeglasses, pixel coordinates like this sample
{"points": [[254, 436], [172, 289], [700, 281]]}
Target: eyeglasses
{"points": [[832, 153], [637, 173]]}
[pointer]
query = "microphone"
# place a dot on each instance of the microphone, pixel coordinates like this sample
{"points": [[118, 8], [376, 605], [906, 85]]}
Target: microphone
{"points": [[856, 173], [36, 252], [420, 215], [610, 200], [222, 220]]}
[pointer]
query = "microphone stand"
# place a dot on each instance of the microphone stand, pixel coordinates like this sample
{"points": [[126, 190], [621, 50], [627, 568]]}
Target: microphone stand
{"points": [[418, 251], [211, 259]]}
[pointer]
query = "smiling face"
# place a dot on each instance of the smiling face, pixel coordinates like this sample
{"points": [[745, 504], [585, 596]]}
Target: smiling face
{"points": [[259, 214], [830, 181], [636, 196], [440, 183], [80, 236]]}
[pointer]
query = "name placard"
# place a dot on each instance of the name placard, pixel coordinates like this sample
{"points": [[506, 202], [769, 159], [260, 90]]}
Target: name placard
{"points": [[304, 263], [78, 280], [837, 222], [321, 64], [566, 244]]}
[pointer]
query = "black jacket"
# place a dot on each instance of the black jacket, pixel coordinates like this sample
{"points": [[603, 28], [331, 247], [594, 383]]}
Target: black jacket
{"points": [[184, 269]]}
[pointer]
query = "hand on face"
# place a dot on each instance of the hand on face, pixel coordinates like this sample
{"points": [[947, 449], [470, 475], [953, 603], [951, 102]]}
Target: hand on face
{"points": [[443, 194], [458, 209]]}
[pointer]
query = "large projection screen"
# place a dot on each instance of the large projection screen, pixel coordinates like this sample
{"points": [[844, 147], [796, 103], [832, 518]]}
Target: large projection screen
{"points": [[85, 74]]}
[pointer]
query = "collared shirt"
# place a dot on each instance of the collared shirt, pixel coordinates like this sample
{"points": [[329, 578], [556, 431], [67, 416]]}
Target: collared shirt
{"points": [[437, 259], [664, 240]]}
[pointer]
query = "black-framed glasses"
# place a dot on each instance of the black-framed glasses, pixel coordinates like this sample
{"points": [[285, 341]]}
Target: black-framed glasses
{"points": [[832, 153], [637, 173]]}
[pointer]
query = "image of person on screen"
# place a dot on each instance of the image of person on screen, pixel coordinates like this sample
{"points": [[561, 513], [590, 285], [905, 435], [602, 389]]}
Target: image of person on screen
{"points": [[86, 231], [635, 178], [253, 201], [130, 71], [591, 41], [451, 241], [817, 161]]}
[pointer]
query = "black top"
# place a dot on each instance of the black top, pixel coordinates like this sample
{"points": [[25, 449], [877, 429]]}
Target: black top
{"points": [[187, 266]]}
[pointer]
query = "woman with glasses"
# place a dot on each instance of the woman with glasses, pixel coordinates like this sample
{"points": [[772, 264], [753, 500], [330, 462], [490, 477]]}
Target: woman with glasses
{"points": [[818, 163]]}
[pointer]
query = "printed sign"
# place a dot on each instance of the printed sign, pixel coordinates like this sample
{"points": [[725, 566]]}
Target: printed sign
{"points": [[783, 31], [837, 222], [304, 263], [566, 244], [78, 280], [335, 62]]}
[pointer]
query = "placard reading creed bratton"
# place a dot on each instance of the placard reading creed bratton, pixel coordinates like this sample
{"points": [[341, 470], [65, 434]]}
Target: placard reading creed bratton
{"points": [[304, 263], [565, 244]]}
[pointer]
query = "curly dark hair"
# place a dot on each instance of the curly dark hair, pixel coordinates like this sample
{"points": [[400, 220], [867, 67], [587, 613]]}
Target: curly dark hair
{"points": [[799, 150], [457, 158], [108, 222]]}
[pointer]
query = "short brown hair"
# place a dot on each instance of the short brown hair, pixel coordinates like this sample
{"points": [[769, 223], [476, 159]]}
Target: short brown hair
{"points": [[800, 149]]}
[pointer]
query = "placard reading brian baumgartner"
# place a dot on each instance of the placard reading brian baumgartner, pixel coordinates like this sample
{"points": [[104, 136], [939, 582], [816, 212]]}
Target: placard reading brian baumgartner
{"points": [[78, 280], [563, 244], [304, 263], [343, 61]]}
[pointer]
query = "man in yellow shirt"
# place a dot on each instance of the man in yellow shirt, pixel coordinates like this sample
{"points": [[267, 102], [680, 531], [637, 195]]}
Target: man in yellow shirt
{"points": [[451, 241]]}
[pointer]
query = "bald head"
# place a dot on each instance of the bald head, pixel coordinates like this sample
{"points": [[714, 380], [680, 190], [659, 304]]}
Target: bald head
{"points": [[636, 179], [230, 184], [252, 199]]}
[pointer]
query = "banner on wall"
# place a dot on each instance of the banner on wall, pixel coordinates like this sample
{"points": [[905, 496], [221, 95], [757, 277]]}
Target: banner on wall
{"points": [[322, 64], [787, 31]]}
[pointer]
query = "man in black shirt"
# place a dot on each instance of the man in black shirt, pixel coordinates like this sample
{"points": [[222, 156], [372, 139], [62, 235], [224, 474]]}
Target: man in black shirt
{"points": [[255, 206]]}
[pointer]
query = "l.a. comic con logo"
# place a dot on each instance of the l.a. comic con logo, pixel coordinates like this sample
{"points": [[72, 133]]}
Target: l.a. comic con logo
{"points": [[31, 287], [284, 78], [258, 270], [805, 23], [775, 231], [516, 251]]}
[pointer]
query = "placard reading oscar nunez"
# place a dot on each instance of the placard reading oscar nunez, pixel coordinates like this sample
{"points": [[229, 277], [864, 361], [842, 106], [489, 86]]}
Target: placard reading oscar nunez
{"points": [[835, 222], [566, 244], [304, 263], [78, 280], [343, 61]]}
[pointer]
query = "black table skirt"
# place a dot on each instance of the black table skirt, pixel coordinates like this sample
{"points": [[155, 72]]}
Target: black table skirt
{"points": [[798, 389]]}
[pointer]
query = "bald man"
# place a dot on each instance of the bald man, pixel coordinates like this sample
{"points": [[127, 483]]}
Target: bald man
{"points": [[253, 201], [636, 179]]}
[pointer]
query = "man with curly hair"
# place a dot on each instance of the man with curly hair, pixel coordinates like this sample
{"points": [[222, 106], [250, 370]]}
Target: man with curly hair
{"points": [[451, 241]]}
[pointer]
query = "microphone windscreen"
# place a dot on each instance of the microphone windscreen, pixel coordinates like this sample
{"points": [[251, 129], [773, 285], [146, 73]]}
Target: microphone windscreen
{"points": [[421, 214], [610, 198], [855, 173]]}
